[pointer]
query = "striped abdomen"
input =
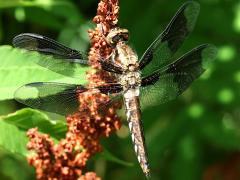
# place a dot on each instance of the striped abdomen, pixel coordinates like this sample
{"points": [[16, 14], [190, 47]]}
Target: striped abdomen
{"points": [[133, 112]]}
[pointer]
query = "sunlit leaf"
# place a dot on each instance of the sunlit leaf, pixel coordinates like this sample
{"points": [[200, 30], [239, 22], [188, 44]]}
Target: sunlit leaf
{"points": [[12, 138], [28, 118]]}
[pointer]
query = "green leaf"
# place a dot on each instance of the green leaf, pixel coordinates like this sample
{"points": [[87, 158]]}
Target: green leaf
{"points": [[28, 118], [12, 164], [36, 3], [108, 156], [9, 3], [18, 68], [7, 107], [52, 12], [51, 7], [12, 138]]}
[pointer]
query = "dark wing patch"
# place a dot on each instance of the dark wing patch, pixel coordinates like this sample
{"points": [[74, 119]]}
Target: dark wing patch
{"points": [[166, 44], [110, 67], [110, 88], [45, 45], [169, 82]]}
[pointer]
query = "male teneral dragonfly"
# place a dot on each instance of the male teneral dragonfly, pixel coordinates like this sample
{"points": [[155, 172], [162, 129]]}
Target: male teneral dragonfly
{"points": [[154, 78]]}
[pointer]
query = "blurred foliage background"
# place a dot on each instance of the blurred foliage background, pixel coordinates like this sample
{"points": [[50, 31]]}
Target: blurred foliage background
{"points": [[194, 137]]}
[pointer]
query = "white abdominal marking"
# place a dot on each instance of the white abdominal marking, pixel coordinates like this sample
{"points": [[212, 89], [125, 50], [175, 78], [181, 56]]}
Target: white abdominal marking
{"points": [[136, 148], [133, 138], [139, 159], [130, 125]]}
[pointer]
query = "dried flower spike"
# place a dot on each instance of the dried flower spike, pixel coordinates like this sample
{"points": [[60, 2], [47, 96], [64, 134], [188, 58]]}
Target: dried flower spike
{"points": [[68, 158]]}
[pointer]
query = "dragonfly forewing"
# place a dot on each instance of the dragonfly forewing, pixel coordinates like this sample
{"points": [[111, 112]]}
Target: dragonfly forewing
{"points": [[54, 55]]}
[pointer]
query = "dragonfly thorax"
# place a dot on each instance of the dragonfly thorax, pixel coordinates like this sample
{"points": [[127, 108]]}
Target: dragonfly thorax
{"points": [[127, 58], [130, 80]]}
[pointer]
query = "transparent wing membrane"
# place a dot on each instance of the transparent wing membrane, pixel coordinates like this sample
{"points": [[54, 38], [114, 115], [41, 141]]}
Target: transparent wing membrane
{"points": [[59, 98], [60, 58], [169, 82]]}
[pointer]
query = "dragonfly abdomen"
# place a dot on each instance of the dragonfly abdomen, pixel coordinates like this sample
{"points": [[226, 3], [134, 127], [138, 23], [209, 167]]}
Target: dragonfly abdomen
{"points": [[133, 112]]}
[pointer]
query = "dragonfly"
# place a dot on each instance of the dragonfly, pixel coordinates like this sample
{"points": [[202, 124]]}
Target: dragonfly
{"points": [[155, 78]]}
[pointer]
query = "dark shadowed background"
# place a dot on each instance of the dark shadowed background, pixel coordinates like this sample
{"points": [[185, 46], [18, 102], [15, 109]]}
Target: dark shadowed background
{"points": [[194, 137]]}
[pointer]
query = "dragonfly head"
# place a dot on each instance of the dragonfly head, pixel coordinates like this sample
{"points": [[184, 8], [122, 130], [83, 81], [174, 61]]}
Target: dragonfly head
{"points": [[117, 35]]}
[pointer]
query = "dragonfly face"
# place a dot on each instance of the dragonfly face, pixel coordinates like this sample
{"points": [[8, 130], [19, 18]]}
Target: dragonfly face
{"points": [[153, 79]]}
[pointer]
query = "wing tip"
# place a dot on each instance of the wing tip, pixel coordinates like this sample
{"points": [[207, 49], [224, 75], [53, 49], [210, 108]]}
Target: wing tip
{"points": [[209, 54], [26, 91], [193, 3], [191, 12], [17, 95], [20, 38]]}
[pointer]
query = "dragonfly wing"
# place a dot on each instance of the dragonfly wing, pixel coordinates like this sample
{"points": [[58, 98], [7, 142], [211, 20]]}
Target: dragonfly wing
{"points": [[45, 45], [171, 81], [166, 44], [60, 59], [110, 88], [59, 98]]}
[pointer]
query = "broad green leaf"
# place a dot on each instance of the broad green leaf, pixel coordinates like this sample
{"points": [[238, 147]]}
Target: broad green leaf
{"points": [[7, 107], [28, 118], [12, 138], [18, 68]]}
